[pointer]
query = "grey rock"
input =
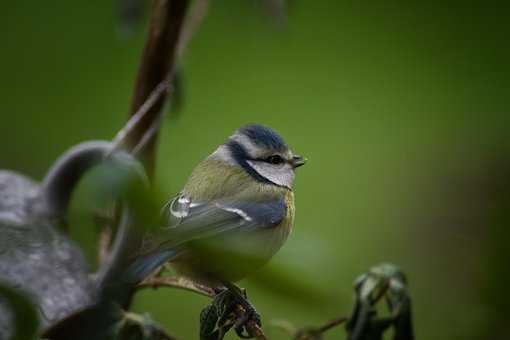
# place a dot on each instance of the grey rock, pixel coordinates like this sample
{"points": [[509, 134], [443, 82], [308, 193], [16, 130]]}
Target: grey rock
{"points": [[37, 258]]}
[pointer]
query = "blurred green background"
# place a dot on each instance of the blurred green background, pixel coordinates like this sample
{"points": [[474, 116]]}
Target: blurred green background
{"points": [[402, 109]]}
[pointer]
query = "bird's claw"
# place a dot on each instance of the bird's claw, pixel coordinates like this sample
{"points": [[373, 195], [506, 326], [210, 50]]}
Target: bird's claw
{"points": [[228, 309], [249, 315]]}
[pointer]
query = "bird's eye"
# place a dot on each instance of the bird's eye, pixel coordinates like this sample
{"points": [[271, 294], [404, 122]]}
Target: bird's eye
{"points": [[274, 159]]}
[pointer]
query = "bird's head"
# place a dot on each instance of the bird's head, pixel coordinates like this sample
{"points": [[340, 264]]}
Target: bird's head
{"points": [[262, 153]]}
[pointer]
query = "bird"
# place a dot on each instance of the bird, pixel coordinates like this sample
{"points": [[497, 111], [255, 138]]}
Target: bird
{"points": [[233, 214]]}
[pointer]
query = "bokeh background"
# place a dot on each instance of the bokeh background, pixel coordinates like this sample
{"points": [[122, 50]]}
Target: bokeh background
{"points": [[401, 107]]}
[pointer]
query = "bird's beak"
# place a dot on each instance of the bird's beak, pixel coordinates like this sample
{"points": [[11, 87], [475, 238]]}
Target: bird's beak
{"points": [[297, 161]]}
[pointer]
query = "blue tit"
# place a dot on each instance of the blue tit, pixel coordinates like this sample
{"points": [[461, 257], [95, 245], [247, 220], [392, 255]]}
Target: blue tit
{"points": [[234, 213]]}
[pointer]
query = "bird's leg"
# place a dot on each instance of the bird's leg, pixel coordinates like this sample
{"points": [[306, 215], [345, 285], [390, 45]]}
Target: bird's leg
{"points": [[217, 318], [230, 308], [208, 320], [249, 314], [225, 303]]}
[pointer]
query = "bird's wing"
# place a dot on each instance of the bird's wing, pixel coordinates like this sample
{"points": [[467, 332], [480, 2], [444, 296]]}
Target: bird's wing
{"points": [[187, 221]]}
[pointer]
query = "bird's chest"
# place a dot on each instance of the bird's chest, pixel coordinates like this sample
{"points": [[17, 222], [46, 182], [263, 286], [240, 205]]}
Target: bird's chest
{"points": [[289, 203], [232, 256]]}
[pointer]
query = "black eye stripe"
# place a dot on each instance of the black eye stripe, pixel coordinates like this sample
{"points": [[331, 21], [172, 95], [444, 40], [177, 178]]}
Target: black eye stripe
{"points": [[273, 159], [241, 156]]}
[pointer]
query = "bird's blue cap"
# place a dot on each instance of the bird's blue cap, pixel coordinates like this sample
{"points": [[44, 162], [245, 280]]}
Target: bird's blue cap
{"points": [[263, 136]]}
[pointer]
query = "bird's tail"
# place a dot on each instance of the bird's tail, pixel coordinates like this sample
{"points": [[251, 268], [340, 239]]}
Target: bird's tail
{"points": [[144, 265]]}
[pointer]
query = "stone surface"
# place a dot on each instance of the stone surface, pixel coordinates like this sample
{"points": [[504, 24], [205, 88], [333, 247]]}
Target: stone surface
{"points": [[37, 258]]}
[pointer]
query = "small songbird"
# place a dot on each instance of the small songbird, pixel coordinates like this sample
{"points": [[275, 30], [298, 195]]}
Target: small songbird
{"points": [[233, 215]]}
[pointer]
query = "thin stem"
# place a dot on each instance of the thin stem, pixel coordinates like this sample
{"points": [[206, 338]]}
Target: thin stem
{"points": [[332, 323], [133, 122], [156, 67], [191, 24], [176, 282], [308, 332], [105, 236], [149, 134]]}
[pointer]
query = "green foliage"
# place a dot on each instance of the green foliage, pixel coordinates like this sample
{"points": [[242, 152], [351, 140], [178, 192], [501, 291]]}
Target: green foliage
{"points": [[399, 106], [25, 317]]}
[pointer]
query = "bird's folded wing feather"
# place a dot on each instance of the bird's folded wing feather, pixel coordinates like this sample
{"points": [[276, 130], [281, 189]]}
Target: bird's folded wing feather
{"points": [[187, 220]]}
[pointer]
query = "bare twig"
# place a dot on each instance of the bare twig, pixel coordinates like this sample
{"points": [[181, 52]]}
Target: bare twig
{"points": [[192, 22], [148, 136], [157, 65], [103, 246], [285, 326], [105, 219], [176, 282], [308, 333], [189, 27], [132, 124], [331, 324]]}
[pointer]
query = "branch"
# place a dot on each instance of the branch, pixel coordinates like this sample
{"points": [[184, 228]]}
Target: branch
{"points": [[251, 326], [137, 135], [332, 323], [156, 67], [155, 282], [176, 282], [309, 333], [193, 19], [103, 246]]}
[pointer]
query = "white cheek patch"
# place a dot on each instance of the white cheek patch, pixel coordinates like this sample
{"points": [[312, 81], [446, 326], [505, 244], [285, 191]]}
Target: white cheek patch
{"points": [[282, 175]]}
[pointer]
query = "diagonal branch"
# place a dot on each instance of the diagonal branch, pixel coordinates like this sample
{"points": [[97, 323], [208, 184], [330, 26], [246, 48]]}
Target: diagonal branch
{"points": [[176, 282], [191, 24], [156, 67]]}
